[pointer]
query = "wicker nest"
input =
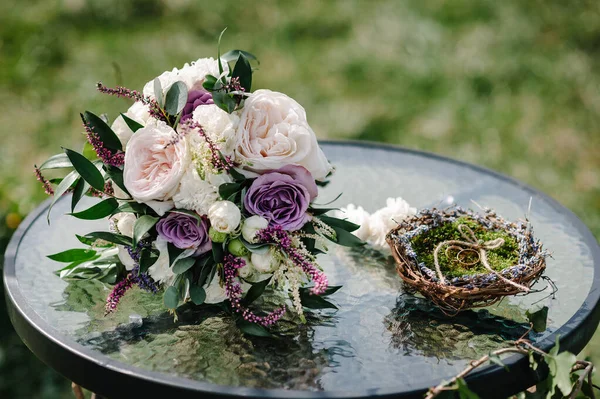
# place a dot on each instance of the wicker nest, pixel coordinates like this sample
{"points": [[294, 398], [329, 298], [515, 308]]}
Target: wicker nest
{"points": [[456, 294]]}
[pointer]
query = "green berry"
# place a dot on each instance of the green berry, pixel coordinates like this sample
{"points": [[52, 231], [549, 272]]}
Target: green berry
{"points": [[216, 236], [236, 248]]}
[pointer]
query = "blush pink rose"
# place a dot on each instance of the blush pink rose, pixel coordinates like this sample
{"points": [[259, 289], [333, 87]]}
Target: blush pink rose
{"points": [[153, 166]]}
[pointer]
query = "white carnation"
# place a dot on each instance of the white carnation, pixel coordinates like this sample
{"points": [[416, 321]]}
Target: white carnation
{"points": [[385, 219], [219, 126], [224, 216], [191, 74], [194, 193]]}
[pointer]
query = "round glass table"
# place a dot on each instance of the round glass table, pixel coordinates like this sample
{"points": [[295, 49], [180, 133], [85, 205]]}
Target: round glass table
{"points": [[382, 342]]}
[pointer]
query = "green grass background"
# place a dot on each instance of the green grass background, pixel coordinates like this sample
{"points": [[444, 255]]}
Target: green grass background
{"points": [[511, 85]]}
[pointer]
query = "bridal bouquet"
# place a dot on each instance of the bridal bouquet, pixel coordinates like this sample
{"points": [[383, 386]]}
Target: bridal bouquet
{"points": [[209, 190]]}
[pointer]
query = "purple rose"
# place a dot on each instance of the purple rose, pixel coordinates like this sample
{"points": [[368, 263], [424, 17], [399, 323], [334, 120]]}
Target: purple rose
{"points": [[282, 196], [185, 231], [195, 99]]}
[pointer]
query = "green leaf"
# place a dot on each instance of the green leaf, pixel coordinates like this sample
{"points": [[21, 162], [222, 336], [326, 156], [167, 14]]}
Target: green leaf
{"points": [[197, 294], [321, 211], [133, 207], [259, 248], [98, 211], [218, 252], [133, 125], [219, 53], [142, 226], [538, 318], [92, 242], [346, 239], [209, 82], [243, 71], [116, 175], [331, 290], [176, 98], [110, 237], [315, 301], [148, 258], [463, 390], [226, 190], [237, 176], [233, 55], [78, 192], [256, 291], [62, 188], [86, 169], [57, 161], [253, 329], [497, 361], [183, 265], [158, 93], [206, 265], [174, 253], [89, 152], [560, 369], [109, 139], [73, 255], [224, 101], [343, 224], [171, 298]]}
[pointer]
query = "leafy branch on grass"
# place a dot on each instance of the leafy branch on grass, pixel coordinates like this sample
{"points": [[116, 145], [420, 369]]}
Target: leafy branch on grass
{"points": [[562, 368]]}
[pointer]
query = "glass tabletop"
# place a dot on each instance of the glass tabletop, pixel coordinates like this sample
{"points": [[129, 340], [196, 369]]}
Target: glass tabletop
{"points": [[381, 340]]}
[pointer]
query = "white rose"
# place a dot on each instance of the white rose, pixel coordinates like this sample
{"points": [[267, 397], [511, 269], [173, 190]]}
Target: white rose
{"points": [[219, 126], [138, 112], [215, 292], [358, 216], [194, 193], [224, 216], [125, 258], [153, 166], [247, 270], [191, 74], [125, 222], [161, 271], [264, 263], [385, 219], [252, 225], [273, 132]]}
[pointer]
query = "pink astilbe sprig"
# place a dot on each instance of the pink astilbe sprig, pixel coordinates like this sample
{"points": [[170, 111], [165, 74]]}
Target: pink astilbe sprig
{"points": [[154, 109], [234, 292], [40, 177], [283, 240], [219, 161], [107, 156], [117, 294]]}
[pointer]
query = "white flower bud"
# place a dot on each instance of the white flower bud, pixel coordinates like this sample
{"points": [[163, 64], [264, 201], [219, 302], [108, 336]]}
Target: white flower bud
{"points": [[264, 263], [224, 216], [252, 225]]}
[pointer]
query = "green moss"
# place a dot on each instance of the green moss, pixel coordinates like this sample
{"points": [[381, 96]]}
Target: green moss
{"points": [[424, 245]]}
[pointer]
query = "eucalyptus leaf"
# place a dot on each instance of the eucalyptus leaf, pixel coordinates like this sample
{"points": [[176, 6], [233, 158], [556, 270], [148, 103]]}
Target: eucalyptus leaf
{"points": [[158, 93], [174, 253], [133, 125], [224, 101], [209, 82], [176, 98], [87, 170], [256, 291], [57, 161], [171, 298], [183, 265], [258, 248], [98, 211], [62, 188], [73, 255], [109, 139], [142, 226], [197, 294]]}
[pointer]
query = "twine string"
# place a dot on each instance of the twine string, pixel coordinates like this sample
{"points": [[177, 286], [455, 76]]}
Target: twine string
{"points": [[471, 243]]}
